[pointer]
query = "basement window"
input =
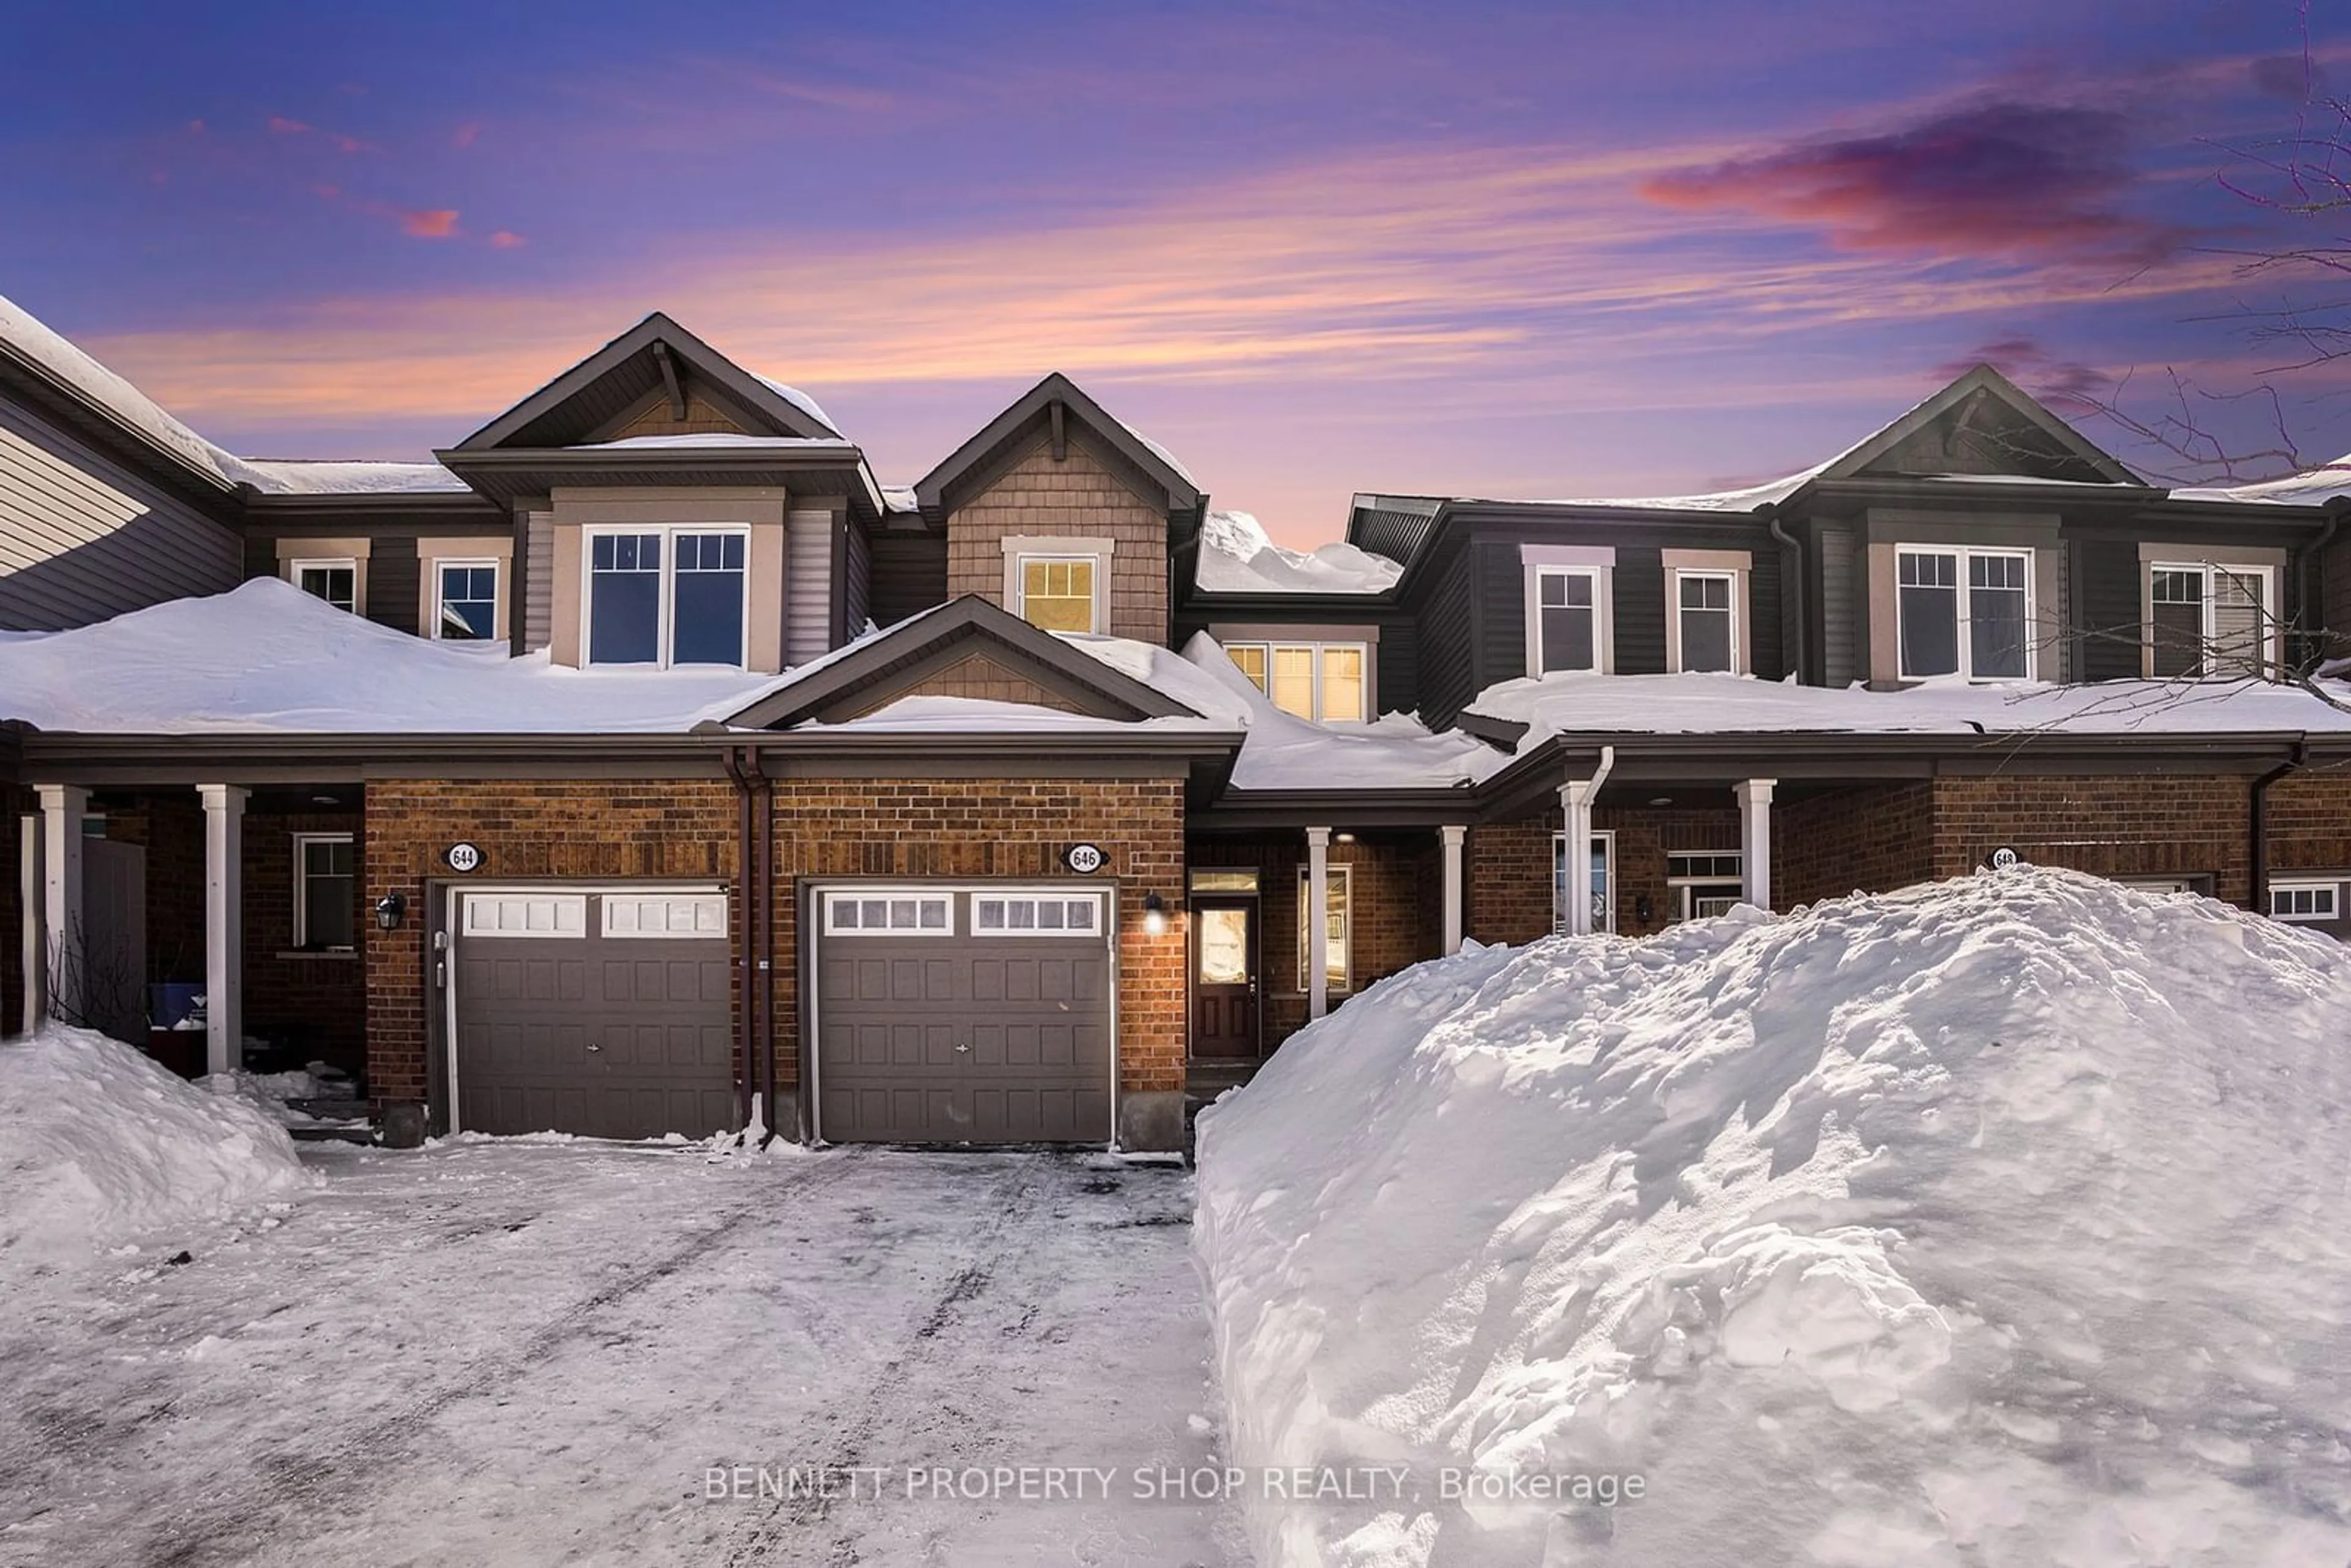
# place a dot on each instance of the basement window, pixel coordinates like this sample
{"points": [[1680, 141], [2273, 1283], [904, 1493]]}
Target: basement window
{"points": [[325, 886], [2307, 903]]}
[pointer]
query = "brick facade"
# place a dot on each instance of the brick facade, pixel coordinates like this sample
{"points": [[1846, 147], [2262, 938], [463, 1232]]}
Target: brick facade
{"points": [[684, 829], [1397, 883], [1078, 495], [1875, 837], [309, 1006]]}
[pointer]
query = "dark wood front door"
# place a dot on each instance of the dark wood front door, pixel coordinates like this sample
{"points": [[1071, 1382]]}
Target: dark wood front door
{"points": [[1223, 977]]}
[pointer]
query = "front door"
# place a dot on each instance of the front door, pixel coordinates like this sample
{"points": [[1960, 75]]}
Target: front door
{"points": [[1223, 977]]}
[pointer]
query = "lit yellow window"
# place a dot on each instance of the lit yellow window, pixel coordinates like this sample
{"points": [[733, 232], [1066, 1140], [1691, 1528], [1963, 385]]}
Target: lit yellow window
{"points": [[1058, 595], [1342, 682], [1293, 681], [1251, 659]]}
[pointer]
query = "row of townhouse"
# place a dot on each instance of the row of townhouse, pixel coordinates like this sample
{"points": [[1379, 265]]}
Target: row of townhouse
{"points": [[644, 765]]}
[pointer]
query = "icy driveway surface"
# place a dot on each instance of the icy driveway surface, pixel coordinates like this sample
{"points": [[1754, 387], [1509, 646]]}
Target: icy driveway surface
{"points": [[513, 1352]]}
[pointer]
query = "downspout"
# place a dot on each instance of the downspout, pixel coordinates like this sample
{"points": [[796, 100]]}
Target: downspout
{"points": [[747, 922], [2261, 821], [766, 903], [1793, 590]]}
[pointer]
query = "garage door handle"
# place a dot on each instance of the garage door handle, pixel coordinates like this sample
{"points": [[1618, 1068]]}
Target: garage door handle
{"points": [[961, 1046], [594, 1047]]}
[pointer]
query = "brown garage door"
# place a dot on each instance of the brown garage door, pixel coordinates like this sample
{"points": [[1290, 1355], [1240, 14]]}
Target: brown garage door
{"points": [[964, 1016], [602, 1013]]}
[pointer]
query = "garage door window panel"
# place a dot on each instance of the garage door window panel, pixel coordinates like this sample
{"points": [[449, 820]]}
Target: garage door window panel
{"points": [[888, 914]]}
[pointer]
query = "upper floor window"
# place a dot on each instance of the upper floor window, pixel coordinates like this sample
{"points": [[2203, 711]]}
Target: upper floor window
{"points": [[2206, 621], [1706, 606], [1321, 681], [336, 582], [466, 600], [1964, 613], [1057, 592], [667, 596], [1568, 611]]}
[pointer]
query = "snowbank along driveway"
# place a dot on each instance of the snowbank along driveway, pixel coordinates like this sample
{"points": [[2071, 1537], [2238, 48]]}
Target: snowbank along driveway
{"points": [[537, 1353]]}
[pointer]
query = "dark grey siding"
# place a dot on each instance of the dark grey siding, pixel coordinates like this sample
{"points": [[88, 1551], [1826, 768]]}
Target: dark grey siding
{"points": [[394, 583], [1840, 625], [82, 539], [2107, 571], [1639, 592], [856, 581], [1498, 620], [1448, 681], [1399, 667], [1765, 650], [538, 582], [909, 575]]}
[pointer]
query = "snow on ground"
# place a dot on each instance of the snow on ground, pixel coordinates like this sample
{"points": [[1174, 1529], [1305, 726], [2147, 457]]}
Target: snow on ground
{"points": [[1238, 557], [99, 1147], [1726, 705], [1997, 1223], [495, 1351]]}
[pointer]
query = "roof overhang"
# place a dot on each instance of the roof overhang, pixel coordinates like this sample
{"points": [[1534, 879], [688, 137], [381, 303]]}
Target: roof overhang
{"points": [[506, 474]]}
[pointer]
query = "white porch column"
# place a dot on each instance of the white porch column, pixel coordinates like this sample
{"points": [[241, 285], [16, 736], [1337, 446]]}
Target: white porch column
{"points": [[1755, 840], [63, 805], [224, 925], [1318, 922], [1575, 806], [31, 894], [1452, 837]]}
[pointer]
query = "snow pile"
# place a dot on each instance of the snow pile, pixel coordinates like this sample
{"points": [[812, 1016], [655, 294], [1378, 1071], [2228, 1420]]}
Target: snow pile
{"points": [[97, 1144], [1999, 1222], [1238, 557]]}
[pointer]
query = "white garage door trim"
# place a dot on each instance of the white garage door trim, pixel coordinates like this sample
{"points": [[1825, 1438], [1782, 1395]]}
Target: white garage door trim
{"points": [[818, 901], [565, 907]]}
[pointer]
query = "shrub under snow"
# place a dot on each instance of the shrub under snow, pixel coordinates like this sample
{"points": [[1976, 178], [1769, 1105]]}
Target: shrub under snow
{"points": [[2005, 1222], [98, 1145]]}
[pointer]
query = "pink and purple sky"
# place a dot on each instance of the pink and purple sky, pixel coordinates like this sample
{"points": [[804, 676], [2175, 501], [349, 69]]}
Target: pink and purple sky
{"points": [[1523, 250]]}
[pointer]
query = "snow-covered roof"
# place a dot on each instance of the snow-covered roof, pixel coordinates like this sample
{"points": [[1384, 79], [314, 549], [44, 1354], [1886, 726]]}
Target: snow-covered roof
{"points": [[304, 476], [728, 441], [31, 339], [2312, 487], [798, 399], [1739, 704], [1238, 557], [900, 499]]}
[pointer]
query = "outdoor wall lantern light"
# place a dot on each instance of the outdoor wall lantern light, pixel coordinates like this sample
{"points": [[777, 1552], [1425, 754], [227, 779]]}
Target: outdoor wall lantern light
{"points": [[1154, 915], [389, 911], [1642, 909]]}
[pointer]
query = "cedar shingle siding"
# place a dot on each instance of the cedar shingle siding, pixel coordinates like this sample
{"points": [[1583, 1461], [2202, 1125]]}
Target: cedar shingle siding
{"points": [[1078, 496]]}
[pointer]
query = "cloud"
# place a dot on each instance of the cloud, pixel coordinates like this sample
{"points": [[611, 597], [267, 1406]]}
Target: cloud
{"points": [[1995, 180], [464, 134], [2068, 386], [2296, 79], [281, 126], [506, 239], [435, 222]]}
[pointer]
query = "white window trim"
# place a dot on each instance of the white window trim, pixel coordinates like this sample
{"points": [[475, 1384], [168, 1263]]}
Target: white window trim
{"points": [[1673, 580], [831, 896], [1606, 837], [665, 595], [1603, 613], [302, 842], [1962, 554], [1363, 652], [2331, 887], [1019, 550], [2274, 620], [296, 565], [497, 568], [1683, 890], [1095, 932], [1340, 877]]}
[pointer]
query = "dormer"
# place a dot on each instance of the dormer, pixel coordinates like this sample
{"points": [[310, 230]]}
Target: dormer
{"points": [[1064, 515], [673, 508]]}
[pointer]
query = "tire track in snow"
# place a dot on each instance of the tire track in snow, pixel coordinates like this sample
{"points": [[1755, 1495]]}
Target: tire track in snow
{"points": [[230, 1528], [799, 1530]]}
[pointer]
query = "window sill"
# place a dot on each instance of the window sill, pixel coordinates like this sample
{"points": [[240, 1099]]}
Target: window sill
{"points": [[344, 955]]}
